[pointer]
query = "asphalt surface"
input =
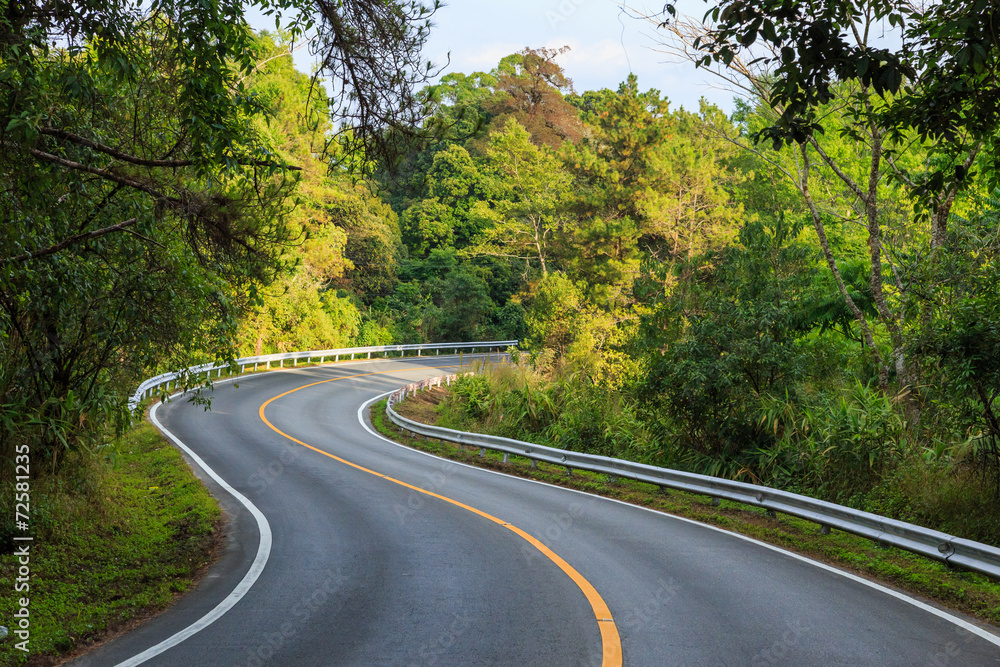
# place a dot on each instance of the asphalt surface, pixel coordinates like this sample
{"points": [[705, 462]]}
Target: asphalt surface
{"points": [[363, 570]]}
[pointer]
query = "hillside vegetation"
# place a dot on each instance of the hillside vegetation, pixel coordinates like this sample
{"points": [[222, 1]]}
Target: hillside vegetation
{"points": [[803, 293]]}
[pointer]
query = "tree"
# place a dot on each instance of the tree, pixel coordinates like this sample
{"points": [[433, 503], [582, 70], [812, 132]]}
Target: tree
{"points": [[719, 349], [629, 126], [959, 342], [530, 190], [443, 219], [945, 67], [117, 221], [143, 203], [300, 310], [371, 53], [560, 319], [428, 225], [464, 307], [797, 40], [688, 206], [649, 181], [533, 86], [374, 246]]}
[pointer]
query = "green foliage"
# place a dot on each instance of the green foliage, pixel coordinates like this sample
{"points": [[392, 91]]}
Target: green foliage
{"points": [[838, 447], [959, 340], [473, 391], [126, 249], [519, 402], [303, 310], [659, 266], [529, 192], [373, 244], [724, 347], [465, 307], [560, 320], [118, 533]]}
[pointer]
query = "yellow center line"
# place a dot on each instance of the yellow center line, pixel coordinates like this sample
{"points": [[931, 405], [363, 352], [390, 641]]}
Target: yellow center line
{"points": [[612, 646]]}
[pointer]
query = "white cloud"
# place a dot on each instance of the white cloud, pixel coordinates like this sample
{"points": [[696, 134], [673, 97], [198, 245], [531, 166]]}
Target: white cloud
{"points": [[483, 58]]}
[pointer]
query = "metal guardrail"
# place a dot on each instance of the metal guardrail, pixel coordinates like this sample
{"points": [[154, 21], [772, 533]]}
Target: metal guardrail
{"points": [[148, 387], [940, 546]]}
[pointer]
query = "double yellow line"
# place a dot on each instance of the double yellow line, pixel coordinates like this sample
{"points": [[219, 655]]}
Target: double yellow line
{"points": [[612, 647]]}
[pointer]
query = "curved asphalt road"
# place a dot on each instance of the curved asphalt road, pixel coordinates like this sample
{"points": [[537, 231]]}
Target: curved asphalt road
{"points": [[363, 570]]}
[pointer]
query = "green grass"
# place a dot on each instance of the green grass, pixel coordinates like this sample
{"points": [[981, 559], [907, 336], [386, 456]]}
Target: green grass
{"points": [[118, 536], [965, 592]]}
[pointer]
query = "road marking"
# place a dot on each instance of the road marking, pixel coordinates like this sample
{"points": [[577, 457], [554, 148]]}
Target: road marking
{"points": [[943, 614], [263, 553], [610, 640]]}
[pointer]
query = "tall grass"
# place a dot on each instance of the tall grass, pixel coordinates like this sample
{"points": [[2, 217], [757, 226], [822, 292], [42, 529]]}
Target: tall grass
{"points": [[561, 409], [851, 445]]}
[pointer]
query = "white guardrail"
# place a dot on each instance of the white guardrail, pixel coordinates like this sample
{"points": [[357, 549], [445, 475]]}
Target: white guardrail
{"points": [[954, 551], [164, 380]]}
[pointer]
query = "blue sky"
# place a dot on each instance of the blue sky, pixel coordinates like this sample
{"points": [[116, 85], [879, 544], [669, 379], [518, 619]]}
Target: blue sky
{"points": [[605, 44]]}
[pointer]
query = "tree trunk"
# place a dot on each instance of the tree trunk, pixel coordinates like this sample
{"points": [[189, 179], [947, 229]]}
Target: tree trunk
{"points": [[875, 250], [866, 334]]}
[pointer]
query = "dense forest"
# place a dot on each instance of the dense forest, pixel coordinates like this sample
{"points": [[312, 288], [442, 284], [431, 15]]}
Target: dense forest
{"points": [[803, 293]]}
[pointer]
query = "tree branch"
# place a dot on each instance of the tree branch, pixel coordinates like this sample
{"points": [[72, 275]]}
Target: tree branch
{"points": [[52, 249], [142, 162], [848, 181], [103, 173]]}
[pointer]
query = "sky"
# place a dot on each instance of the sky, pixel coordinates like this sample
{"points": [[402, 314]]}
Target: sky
{"points": [[605, 44]]}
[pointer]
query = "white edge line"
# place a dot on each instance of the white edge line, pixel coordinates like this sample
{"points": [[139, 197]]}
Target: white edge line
{"points": [[263, 553], [965, 625], [263, 548]]}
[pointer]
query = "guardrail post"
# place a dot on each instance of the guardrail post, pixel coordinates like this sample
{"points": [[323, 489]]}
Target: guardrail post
{"points": [[482, 452], [336, 358], [242, 368], [369, 355], [295, 362], [716, 502], [534, 463], [269, 364], [824, 529], [506, 457]]}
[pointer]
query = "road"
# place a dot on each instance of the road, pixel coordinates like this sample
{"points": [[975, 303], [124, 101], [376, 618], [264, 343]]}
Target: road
{"points": [[351, 550]]}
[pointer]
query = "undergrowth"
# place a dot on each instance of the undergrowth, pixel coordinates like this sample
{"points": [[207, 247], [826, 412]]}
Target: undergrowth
{"points": [[118, 534], [851, 448]]}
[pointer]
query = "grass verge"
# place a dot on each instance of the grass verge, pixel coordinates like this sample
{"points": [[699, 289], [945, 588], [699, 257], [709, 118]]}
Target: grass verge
{"points": [[966, 592], [115, 541]]}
